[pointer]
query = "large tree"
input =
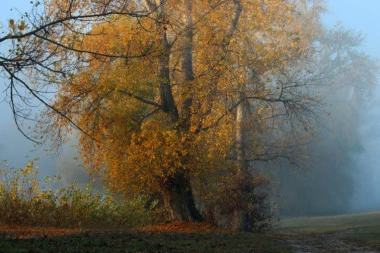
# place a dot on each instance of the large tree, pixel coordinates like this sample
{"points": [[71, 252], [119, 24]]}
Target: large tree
{"points": [[169, 94]]}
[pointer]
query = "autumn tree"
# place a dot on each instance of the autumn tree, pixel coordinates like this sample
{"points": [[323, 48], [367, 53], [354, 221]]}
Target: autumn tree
{"points": [[168, 95]]}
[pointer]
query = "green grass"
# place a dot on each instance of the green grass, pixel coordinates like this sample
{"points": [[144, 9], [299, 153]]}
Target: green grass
{"points": [[361, 229], [100, 241], [366, 236], [329, 224], [358, 229]]}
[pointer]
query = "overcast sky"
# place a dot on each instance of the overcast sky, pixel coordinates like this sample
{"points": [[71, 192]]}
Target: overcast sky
{"points": [[359, 15]]}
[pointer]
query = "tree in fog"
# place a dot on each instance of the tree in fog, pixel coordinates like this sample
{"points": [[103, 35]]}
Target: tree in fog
{"points": [[174, 98]]}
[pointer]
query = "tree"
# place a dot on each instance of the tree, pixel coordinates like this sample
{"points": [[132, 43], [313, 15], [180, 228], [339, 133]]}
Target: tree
{"points": [[220, 72]]}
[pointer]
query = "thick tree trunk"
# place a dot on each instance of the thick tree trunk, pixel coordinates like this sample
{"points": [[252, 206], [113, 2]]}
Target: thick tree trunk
{"points": [[178, 196], [176, 191], [179, 199]]}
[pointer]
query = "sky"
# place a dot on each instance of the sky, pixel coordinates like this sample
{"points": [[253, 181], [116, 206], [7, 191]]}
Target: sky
{"points": [[358, 15]]}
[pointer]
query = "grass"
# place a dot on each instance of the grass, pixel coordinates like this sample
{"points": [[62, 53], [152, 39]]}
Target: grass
{"points": [[329, 224], [317, 232], [366, 237], [357, 229], [134, 241], [362, 229], [172, 237]]}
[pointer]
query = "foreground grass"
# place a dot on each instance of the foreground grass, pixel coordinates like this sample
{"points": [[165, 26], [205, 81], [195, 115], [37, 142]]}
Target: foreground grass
{"points": [[359, 232], [114, 240], [365, 237]]}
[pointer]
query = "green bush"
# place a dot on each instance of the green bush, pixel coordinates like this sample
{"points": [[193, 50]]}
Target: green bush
{"points": [[25, 200]]}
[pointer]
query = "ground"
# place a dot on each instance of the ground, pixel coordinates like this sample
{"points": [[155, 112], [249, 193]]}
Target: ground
{"points": [[344, 233], [348, 233]]}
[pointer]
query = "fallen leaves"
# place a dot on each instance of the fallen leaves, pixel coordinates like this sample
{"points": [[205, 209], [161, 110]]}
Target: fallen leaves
{"points": [[182, 227]]}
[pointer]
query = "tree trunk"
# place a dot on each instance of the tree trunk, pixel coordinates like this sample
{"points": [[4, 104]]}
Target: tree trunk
{"points": [[239, 219], [179, 199], [187, 66], [176, 191], [166, 94], [240, 138]]}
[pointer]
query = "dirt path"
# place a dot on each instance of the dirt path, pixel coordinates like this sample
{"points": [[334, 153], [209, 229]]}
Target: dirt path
{"points": [[320, 244]]}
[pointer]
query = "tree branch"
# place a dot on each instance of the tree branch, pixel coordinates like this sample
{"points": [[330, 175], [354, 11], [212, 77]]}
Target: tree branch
{"points": [[41, 100], [143, 100]]}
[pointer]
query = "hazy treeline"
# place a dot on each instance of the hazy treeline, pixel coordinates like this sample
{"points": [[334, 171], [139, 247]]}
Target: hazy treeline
{"points": [[325, 182]]}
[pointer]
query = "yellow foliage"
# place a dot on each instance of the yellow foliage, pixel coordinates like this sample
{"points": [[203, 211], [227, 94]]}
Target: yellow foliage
{"points": [[117, 100]]}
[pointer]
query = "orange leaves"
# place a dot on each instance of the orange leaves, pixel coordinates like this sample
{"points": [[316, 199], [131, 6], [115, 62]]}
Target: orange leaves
{"points": [[163, 150], [140, 146], [182, 227]]}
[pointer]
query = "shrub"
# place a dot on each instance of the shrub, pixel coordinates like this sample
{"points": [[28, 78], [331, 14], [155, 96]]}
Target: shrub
{"points": [[25, 200]]}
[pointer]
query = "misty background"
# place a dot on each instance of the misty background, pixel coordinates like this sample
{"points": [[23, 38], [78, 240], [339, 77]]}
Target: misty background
{"points": [[343, 174]]}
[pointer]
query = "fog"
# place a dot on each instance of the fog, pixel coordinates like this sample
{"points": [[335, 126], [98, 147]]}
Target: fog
{"points": [[16, 151], [367, 172], [365, 161], [341, 176]]}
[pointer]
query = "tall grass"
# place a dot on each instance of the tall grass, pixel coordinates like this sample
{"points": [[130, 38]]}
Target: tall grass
{"points": [[26, 200]]}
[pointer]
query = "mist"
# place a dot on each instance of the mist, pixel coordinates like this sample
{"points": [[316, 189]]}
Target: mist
{"points": [[367, 172], [70, 168], [16, 151], [341, 173]]}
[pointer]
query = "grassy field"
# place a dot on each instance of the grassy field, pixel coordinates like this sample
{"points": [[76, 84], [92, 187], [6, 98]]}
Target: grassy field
{"points": [[26, 239], [345, 233], [330, 224]]}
